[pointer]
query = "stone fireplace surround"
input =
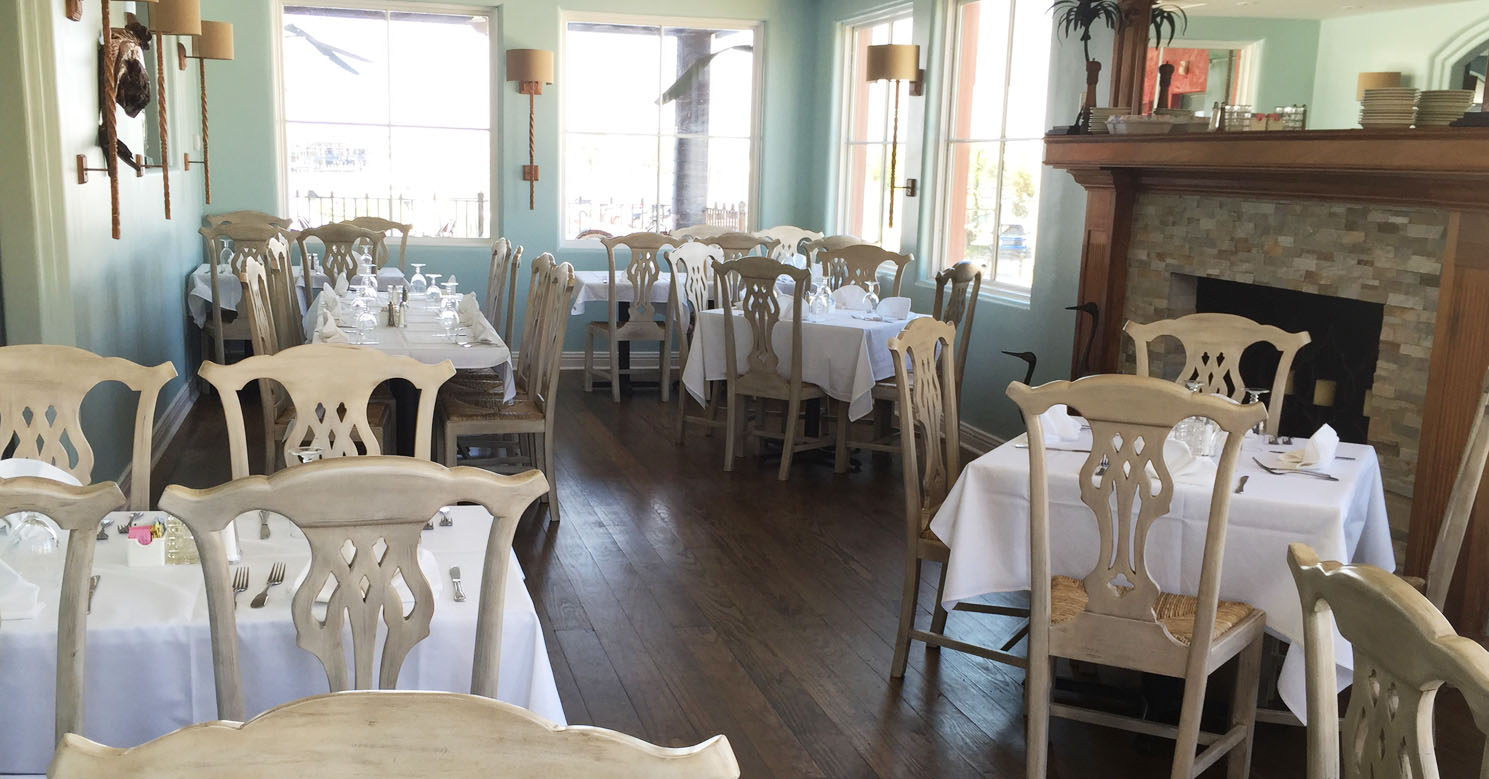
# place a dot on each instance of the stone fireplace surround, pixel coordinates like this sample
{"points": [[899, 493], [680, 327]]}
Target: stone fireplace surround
{"points": [[1378, 254]]}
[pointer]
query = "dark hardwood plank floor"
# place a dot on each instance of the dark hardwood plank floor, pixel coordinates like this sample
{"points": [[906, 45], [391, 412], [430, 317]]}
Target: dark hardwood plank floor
{"points": [[679, 601]]}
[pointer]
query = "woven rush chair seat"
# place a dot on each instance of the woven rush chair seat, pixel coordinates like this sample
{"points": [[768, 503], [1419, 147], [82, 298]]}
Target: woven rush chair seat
{"points": [[1176, 612], [460, 406]]}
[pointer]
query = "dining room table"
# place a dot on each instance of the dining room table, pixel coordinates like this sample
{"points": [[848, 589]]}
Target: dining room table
{"points": [[984, 521], [230, 289], [593, 286], [148, 667]]}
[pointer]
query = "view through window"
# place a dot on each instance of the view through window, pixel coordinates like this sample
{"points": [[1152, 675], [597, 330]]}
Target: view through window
{"points": [[994, 151], [863, 189], [659, 127], [388, 113]]}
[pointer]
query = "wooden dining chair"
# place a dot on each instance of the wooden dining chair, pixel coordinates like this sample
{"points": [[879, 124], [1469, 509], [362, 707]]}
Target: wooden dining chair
{"points": [[240, 242], [247, 217], [474, 411], [329, 387], [1213, 344], [1116, 615], [387, 734], [698, 231], [382, 227], [693, 286], [760, 309], [370, 503], [501, 286], [828, 243], [859, 264], [641, 273], [341, 245], [1449, 544], [790, 237], [928, 413], [736, 245], [265, 329], [1404, 650], [41, 397], [78, 511]]}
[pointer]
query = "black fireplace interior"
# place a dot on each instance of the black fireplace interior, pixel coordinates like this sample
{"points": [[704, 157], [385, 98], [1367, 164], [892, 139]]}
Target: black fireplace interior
{"points": [[1344, 350]]}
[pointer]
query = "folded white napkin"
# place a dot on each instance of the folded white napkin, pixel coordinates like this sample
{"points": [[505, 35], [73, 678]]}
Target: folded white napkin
{"points": [[469, 310], [894, 308], [427, 563], [12, 467], [1183, 466], [342, 285], [19, 599], [326, 331], [850, 298], [1059, 425], [787, 303], [1317, 453]]}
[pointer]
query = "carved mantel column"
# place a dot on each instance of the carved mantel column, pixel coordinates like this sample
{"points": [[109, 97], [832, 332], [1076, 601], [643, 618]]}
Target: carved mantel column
{"points": [[1130, 54]]}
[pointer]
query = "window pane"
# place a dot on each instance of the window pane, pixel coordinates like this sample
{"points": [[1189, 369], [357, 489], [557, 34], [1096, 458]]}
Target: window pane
{"points": [[863, 208], [440, 180], [1019, 210], [335, 65], [611, 78], [866, 201], [972, 212], [982, 71], [440, 74], [336, 171], [731, 73], [610, 183], [728, 183], [1028, 89]]}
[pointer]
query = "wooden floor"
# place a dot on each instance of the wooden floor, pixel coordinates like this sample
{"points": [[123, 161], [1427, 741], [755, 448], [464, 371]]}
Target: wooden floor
{"points": [[679, 601]]}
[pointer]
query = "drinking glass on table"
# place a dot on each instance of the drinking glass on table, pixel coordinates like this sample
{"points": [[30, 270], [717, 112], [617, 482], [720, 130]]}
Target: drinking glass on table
{"points": [[1255, 395], [306, 454], [871, 299], [449, 315], [366, 324], [432, 293], [418, 285]]}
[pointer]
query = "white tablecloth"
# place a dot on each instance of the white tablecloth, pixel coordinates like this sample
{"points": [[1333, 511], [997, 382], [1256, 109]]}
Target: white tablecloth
{"points": [[842, 354], [199, 288], [985, 522], [149, 661], [423, 340], [594, 285]]}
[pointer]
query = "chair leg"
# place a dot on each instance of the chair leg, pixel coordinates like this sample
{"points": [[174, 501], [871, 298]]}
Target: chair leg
{"points": [[788, 437], [1189, 722], [1243, 709], [664, 363], [614, 370], [938, 617], [840, 458], [713, 407], [450, 446], [589, 360], [551, 473], [730, 432], [907, 618], [1037, 689]]}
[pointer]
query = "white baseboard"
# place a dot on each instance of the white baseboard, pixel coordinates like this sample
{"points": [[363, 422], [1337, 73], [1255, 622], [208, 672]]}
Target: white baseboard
{"points": [[979, 441], [164, 432]]}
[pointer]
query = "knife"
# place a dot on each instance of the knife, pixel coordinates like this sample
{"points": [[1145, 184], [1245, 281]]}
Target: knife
{"points": [[1054, 449], [455, 577]]}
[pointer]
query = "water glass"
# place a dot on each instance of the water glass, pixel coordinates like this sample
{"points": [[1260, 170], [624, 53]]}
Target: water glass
{"points": [[1257, 395], [432, 293], [418, 285], [871, 300], [449, 315], [366, 324]]}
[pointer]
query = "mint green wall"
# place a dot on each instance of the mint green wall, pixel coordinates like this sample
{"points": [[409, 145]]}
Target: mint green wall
{"points": [[1407, 41], [1289, 49], [122, 298]]}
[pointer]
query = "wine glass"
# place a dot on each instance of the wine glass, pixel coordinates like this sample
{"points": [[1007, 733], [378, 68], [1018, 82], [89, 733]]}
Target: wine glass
{"points": [[366, 324], [418, 285], [432, 293], [306, 454], [366, 276], [1255, 395], [871, 299], [449, 315]]}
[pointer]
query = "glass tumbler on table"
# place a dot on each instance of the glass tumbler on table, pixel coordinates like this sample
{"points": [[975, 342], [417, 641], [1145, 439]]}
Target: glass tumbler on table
{"points": [[432, 293], [449, 315], [1258, 395], [871, 299], [418, 285]]}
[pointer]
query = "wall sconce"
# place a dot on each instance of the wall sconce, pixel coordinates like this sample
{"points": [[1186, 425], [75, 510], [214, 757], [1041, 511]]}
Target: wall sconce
{"points": [[896, 63], [531, 69], [169, 17], [215, 43], [107, 110]]}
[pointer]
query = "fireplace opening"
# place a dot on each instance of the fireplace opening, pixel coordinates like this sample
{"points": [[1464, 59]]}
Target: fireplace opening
{"points": [[1331, 376]]}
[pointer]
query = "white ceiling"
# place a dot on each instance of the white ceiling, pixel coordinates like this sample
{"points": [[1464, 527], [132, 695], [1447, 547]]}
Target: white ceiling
{"points": [[1296, 9]]}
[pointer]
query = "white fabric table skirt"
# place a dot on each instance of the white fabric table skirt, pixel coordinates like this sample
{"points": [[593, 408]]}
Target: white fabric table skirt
{"points": [[149, 650], [985, 522], [423, 340], [594, 285], [199, 288], [842, 354]]}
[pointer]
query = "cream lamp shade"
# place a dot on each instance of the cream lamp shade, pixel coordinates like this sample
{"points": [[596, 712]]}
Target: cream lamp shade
{"points": [[893, 62], [215, 42], [530, 65], [1377, 80], [176, 17]]}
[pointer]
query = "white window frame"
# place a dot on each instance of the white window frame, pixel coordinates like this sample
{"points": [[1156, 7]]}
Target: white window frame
{"points": [[757, 104], [847, 91], [1000, 292], [494, 33]]}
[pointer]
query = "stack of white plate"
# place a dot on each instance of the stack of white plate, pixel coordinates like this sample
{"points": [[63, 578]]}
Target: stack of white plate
{"points": [[1099, 117], [1442, 107], [1389, 108]]}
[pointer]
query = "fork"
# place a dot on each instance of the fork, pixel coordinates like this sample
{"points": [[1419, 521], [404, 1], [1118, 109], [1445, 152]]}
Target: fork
{"points": [[240, 583], [276, 575], [103, 528], [124, 526], [444, 518], [1300, 471]]}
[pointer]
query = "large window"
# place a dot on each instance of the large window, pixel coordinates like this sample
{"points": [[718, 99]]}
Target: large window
{"points": [[388, 113], [863, 186], [659, 126], [992, 155]]}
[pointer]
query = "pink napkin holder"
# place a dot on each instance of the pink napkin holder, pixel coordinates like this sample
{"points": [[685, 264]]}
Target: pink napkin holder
{"points": [[143, 549]]}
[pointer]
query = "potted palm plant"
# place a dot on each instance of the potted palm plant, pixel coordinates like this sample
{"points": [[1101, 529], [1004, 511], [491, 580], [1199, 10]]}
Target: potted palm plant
{"points": [[1082, 16]]}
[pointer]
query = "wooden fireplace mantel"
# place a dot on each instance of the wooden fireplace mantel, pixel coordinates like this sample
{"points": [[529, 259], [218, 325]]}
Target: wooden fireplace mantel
{"points": [[1442, 168]]}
